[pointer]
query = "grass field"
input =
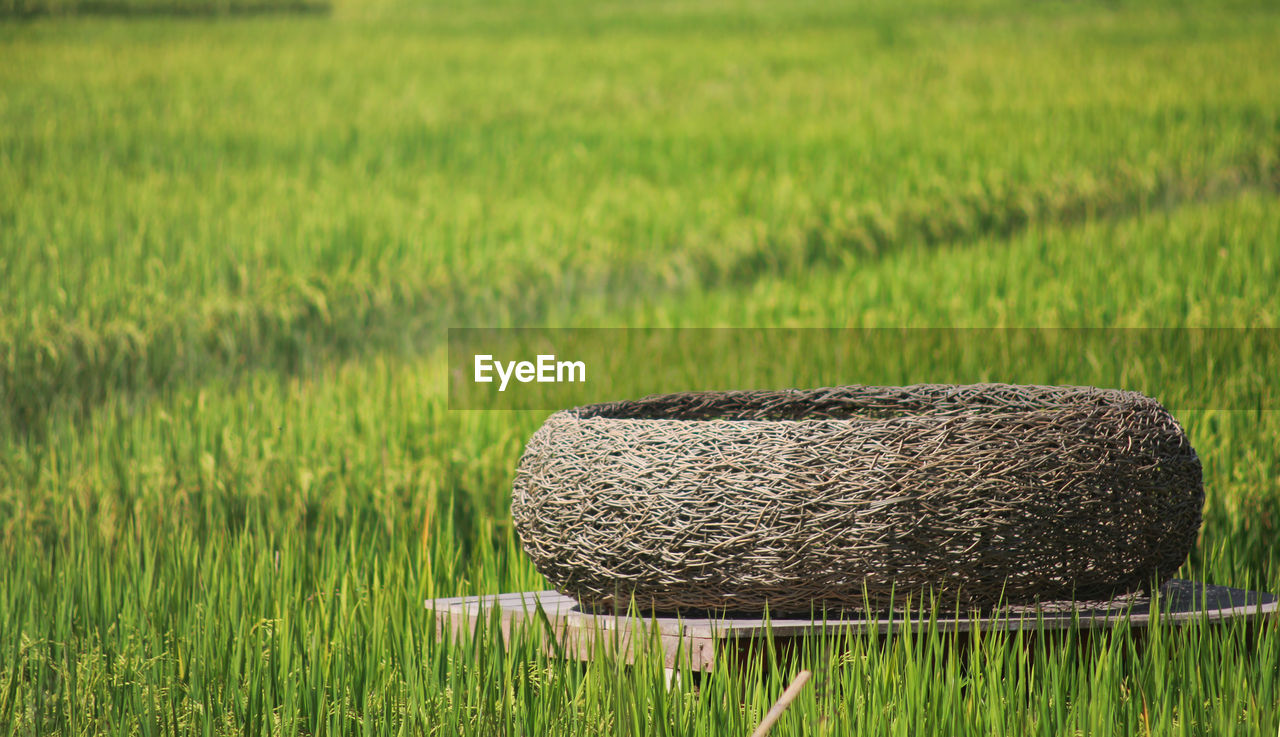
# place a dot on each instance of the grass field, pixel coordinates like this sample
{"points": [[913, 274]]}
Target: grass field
{"points": [[230, 247]]}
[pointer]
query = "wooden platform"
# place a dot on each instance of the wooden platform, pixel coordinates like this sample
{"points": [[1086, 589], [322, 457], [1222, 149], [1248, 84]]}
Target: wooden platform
{"points": [[578, 632]]}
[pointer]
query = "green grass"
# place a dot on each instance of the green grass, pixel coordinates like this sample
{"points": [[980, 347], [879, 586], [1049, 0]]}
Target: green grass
{"points": [[35, 8], [240, 199], [229, 248]]}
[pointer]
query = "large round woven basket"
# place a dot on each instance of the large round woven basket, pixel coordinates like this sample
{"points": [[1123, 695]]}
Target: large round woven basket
{"points": [[859, 496]]}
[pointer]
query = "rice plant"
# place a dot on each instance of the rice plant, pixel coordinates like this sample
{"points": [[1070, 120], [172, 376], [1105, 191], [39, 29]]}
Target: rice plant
{"points": [[229, 476]]}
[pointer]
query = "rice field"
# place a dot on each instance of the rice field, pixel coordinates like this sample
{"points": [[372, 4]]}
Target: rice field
{"points": [[231, 245]]}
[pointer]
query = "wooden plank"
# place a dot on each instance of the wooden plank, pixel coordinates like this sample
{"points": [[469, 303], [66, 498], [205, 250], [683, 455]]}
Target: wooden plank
{"points": [[578, 633], [1180, 601]]}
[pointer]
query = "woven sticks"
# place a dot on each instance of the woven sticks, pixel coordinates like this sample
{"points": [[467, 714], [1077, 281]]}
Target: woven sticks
{"points": [[858, 496]]}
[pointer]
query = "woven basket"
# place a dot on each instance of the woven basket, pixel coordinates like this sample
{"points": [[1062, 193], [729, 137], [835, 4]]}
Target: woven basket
{"points": [[859, 496]]}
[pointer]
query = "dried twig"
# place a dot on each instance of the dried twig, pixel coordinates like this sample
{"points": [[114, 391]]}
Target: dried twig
{"points": [[779, 706]]}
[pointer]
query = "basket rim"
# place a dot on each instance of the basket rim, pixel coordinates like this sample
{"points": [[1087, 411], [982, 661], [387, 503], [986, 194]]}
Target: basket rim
{"points": [[1069, 398]]}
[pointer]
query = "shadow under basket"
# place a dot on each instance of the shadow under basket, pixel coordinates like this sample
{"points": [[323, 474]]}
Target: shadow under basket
{"points": [[859, 497]]}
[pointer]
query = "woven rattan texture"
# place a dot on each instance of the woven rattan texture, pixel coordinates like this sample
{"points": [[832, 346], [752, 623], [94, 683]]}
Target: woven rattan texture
{"points": [[848, 496]]}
